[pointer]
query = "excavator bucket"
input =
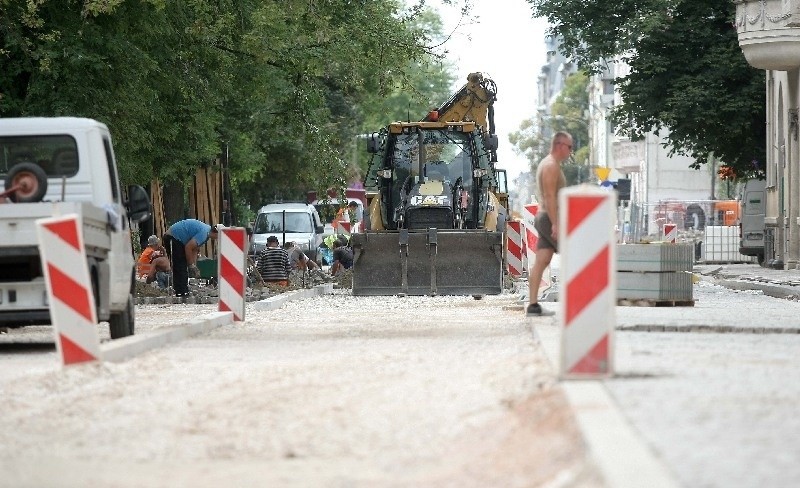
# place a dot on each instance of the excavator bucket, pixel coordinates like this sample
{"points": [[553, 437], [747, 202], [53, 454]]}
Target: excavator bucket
{"points": [[428, 262]]}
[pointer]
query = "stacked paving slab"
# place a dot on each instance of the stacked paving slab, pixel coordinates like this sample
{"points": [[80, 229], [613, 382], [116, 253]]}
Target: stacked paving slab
{"points": [[658, 272]]}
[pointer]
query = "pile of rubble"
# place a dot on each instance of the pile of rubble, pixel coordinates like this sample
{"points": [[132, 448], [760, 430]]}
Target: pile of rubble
{"points": [[205, 291]]}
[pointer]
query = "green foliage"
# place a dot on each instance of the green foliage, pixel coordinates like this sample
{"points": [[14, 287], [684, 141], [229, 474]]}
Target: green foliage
{"points": [[688, 74], [283, 85], [567, 113]]}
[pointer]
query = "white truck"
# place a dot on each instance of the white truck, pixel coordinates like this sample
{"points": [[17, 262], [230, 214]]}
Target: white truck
{"points": [[58, 166]]}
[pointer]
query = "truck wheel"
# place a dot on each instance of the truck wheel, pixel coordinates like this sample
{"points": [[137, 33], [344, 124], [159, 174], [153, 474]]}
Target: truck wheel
{"points": [[27, 181], [121, 323]]}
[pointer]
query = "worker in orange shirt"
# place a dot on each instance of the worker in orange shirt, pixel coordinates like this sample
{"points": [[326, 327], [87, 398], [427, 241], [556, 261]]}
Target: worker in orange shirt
{"points": [[153, 251]]}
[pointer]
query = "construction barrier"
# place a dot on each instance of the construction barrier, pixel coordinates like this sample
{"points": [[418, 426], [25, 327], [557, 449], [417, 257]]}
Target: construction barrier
{"points": [[343, 227], [588, 268], [671, 233], [514, 231], [232, 260], [69, 288], [532, 239]]}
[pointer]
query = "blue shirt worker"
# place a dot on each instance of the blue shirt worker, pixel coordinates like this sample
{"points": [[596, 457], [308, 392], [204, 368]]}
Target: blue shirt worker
{"points": [[183, 240]]}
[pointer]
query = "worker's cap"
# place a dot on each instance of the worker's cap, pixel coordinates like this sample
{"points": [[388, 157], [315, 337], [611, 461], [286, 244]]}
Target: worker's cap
{"points": [[272, 239], [152, 240]]}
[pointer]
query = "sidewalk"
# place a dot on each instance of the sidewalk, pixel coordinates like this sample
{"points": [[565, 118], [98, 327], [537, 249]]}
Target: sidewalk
{"points": [[709, 392], [772, 282]]}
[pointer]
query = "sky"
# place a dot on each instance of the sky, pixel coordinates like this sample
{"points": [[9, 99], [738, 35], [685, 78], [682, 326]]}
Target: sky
{"points": [[507, 45]]}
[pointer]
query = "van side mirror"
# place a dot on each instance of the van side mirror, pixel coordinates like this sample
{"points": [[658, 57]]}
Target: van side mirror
{"points": [[138, 204], [319, 229]]}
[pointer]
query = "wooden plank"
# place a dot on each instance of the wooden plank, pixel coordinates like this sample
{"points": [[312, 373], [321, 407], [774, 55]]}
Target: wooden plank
{"points": [[157, 200]]}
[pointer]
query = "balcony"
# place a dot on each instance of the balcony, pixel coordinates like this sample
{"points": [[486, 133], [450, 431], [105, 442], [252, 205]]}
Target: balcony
{"points": [[769, 33]]}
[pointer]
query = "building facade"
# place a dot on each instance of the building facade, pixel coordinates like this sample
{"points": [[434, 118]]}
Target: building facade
{"points": [[769, 35], [656, 176]]}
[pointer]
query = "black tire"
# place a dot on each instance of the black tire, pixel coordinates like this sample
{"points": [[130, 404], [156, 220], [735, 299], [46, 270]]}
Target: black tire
{"points": [[31, 180], [695, 218], [121, 324]]}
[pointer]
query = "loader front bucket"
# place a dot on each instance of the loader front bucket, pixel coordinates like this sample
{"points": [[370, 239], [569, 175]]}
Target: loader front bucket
{"points": [[428, 262]]}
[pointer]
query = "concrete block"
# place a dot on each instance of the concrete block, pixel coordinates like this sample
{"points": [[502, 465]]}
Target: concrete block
{"points": [[655, 257], [654, 286]]}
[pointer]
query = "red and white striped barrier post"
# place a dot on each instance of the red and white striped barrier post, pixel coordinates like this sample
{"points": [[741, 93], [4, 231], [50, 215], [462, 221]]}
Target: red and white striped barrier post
{"points": [[514, 230], [69, 288], [671, 233], [588, 277], [532, 238], [343, 227], [232, 277]]}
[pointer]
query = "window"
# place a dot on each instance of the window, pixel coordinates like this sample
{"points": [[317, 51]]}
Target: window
{"points": [[272, 222], [57, 155]]}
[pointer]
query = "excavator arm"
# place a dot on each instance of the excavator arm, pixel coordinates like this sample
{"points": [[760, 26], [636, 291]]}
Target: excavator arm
{"points": [[473, 102]]}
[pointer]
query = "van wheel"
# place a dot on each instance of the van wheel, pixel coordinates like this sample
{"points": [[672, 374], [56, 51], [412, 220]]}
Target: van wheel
{"points": [[121, 323]]}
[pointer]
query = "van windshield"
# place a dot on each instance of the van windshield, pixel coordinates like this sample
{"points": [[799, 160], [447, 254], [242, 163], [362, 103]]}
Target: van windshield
{"points": [[296, 222]]}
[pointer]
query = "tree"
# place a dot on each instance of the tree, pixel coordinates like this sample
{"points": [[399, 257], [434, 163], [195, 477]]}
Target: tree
{"points": [[283, 85], [687, 72], [567, 113]]}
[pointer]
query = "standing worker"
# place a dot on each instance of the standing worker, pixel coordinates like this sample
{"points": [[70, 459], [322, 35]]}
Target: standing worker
{"points": [[183, 240], [549, 180], [348, 215]]}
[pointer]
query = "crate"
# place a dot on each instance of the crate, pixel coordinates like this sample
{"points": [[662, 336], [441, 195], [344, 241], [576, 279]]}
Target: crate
{"points": [[208, 268]]}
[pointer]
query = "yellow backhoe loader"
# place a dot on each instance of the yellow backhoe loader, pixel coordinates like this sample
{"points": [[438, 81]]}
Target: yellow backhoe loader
{"points": [[436, 203]]}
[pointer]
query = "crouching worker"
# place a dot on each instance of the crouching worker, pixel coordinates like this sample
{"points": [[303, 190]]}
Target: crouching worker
{"points": [[342, 256], [160, 272], [273, 263], [298, 259]]}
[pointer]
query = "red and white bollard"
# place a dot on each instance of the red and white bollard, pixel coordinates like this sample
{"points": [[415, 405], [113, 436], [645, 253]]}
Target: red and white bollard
{"points": [[514, 230], [532, 238], [588, 281], [232, 277], [671, 233], [343, 227], [69, 288]]}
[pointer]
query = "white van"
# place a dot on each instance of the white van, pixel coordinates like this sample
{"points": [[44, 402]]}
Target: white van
{"points": [[298, 222], [751, 224]]}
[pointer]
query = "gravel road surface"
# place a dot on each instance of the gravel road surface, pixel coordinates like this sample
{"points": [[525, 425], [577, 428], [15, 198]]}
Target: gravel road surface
{"points": [[331, 391]]}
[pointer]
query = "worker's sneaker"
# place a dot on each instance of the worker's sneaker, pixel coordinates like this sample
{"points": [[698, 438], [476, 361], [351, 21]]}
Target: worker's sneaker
{"points": [[536, 310]]}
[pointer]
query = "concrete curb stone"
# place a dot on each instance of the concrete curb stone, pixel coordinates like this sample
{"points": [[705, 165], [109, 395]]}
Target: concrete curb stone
{"points": [[618, 450], [128, 347]]}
